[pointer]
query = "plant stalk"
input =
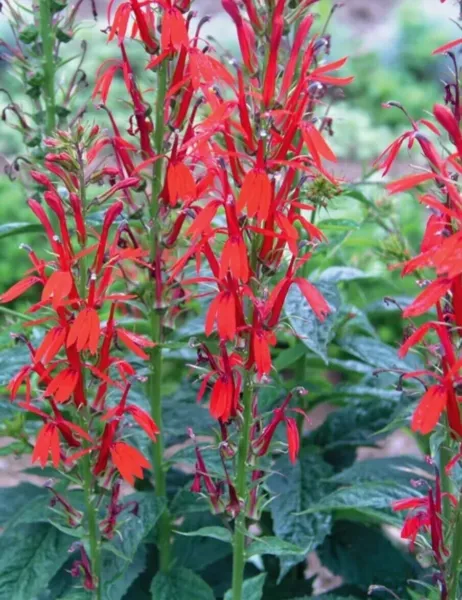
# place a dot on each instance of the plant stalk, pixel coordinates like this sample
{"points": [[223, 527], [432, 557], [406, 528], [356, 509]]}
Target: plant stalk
{"points": [[156, 320], [241, 489], [93, 530], [47, 37], [87, 476], [456, 555]]}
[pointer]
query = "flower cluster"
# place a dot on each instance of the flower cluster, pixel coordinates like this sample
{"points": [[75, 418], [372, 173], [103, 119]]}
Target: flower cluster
{"points": [[438, 270], [213, 172], [78, 361]]}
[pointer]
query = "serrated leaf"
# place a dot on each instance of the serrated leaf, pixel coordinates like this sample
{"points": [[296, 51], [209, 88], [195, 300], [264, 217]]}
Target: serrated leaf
{"points": [[29, 557], [375, 495], [294, 487], [13, 499], [116, 589], [374, 352], [217, 533], [276, 547], [395, 468], [363, 556], [252, 588], [183, 409], [359, 423], [119, 567], [197, 553], [180, 584], [315, 334]]}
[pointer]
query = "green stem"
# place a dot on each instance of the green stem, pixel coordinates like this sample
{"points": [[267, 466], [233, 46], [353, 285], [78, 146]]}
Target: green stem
{"points": [[93, 530], [241, 489], [86, 470], [456, 555], [300, 368], [447, 486], [155, 379], [14, 313], [47, 37]]}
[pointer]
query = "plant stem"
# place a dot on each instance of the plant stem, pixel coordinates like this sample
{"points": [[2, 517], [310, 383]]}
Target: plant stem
{"points": [[47, 37], [155, 379], [87, 476], [93, 530], [447, 486], [14, 313], [241, 489], [456, 555]]}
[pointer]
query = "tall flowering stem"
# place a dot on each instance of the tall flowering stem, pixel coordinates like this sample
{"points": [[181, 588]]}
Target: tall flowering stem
{"points": [[75, 365], [438, 270], [263, 147], [47, 37], [156, 317]]}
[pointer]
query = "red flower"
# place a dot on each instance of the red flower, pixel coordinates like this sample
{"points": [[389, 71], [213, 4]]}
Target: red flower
{"points": [[262, 443], [85, 330], [47, 443], [129, 461]]}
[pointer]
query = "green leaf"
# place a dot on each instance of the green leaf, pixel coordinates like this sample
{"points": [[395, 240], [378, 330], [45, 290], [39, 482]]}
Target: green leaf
{"points": [[294, 487], [375, 353], [28, 34], [289, 356], [180, 584], [197, 553], [276, 547], [124, 561], [29, 557], [13, 499], [396, 468], [116, 589], [336, 274], [217, 533], [338, 225], [63, 36], [363, 556], [326, 597], [252, 588], [359, 423], [76, 595], [11, 361], [376, 495], [315, 334], [182, 408]]}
